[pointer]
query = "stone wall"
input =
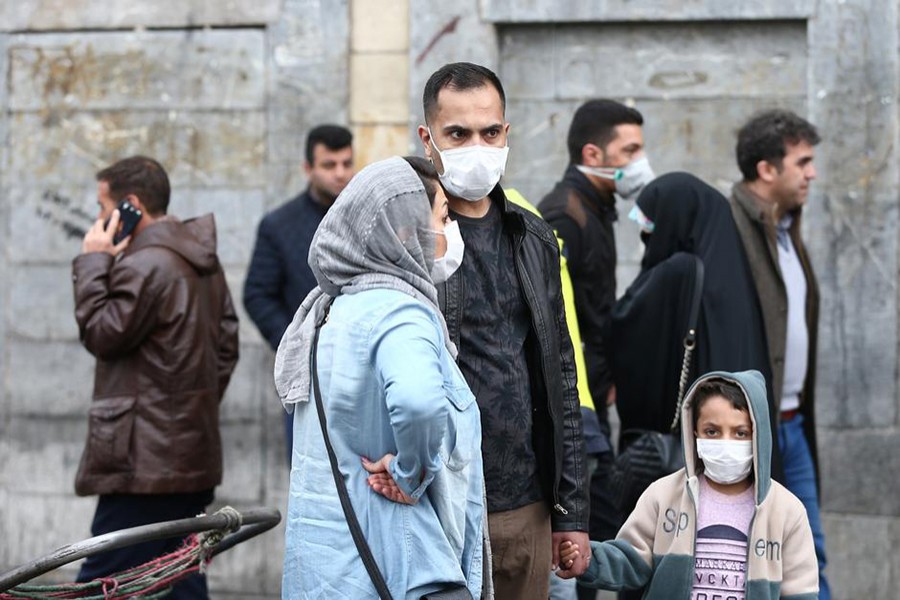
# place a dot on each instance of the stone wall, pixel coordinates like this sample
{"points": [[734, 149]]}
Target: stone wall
{"points": [[223, 94], [379, 76]]}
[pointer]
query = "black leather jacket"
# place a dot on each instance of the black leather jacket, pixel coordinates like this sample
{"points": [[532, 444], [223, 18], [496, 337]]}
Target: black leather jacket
{"points": [[558, 439], [584, 220]]}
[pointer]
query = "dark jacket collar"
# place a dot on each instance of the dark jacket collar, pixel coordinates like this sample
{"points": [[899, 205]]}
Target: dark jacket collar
{"points": [[508, 212], [754, 206], [308, 197], [760, 211], [498, 197], [519, 221], [604, 205]]}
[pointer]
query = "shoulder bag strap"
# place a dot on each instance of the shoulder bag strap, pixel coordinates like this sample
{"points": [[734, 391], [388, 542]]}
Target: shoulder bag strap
{"points": [[690, 339], [358, 538]]}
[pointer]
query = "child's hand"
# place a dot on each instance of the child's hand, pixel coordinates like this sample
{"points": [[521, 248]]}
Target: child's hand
{"points": [[568, 554], [571, 553]]}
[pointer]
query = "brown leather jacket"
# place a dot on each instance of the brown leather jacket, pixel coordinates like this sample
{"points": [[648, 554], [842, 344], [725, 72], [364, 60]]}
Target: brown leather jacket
{"points": [[160, 321]]}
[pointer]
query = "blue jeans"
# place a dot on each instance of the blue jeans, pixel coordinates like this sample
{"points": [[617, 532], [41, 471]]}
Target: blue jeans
{"points": [[800, 479], [563, 589]]}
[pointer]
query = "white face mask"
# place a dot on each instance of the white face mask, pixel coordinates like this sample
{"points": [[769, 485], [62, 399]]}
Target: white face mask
{"points": [[447, 265], [630, 179], [471, 172], [610, 173], [726, 461], [635, 176]]}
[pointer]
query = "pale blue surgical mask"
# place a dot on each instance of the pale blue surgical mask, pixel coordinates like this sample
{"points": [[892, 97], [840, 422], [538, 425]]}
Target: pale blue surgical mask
{"points": [[643, 221]]}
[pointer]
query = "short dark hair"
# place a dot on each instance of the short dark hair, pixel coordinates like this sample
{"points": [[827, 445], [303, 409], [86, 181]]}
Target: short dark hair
{"points": [[427, 173], [717, 387], [765, 136], [334, 137], [140, 176], [595, 122], [459, 76]]}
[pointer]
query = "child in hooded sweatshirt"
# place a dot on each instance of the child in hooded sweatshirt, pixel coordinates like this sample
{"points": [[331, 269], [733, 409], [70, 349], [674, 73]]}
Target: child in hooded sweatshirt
{"points": [[719, 529]]}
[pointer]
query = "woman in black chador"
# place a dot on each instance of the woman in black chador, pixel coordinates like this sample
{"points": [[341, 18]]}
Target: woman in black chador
{"points": [[680, 216]]}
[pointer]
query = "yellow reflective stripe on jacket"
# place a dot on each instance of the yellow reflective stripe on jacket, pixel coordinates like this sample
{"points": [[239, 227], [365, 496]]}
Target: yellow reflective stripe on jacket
{"points": [[584, 392]]}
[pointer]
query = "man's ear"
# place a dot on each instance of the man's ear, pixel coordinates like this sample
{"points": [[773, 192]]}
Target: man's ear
{"points": [[592, 155], [136, 202], [422, 130], [307, 168], [766, 171]]}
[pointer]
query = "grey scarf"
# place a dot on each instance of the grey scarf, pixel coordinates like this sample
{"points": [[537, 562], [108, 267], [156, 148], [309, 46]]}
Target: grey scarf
{"points": [[376, 236]]}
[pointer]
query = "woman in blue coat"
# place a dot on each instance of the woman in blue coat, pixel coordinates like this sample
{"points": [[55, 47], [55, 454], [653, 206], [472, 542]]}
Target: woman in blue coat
{"points": [[405, 428]]}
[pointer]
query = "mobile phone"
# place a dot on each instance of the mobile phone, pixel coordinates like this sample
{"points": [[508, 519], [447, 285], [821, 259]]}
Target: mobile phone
{"points": [[129, 216]]}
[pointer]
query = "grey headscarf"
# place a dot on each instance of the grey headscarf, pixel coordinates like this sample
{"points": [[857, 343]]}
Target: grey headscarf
{"points": [[376, 236]]}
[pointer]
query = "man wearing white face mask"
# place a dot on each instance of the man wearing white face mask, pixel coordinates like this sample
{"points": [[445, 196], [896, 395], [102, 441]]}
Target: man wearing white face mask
{"points": [[505, 313], [606, 160]]}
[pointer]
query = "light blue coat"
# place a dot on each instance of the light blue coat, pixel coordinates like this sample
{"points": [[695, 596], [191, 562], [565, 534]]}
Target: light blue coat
{"points": [[390, 386]]}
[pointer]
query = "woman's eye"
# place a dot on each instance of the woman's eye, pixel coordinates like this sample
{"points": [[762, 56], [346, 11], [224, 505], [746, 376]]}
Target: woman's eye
{"points": [[710, 432]]}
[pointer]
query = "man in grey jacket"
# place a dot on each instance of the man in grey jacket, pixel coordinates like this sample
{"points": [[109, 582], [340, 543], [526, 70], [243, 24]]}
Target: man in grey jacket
{"points": [[775, 152]]}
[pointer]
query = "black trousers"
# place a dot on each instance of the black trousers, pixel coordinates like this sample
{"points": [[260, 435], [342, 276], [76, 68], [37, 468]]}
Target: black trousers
{"points": [[121, 511]]}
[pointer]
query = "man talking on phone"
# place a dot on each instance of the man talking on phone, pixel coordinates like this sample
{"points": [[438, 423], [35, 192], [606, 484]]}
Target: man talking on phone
{"points": [[155, 311]]}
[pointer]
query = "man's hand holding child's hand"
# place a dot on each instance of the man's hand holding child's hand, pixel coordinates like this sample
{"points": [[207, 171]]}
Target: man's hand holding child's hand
{"points": [[572, 562], [568, 553]]}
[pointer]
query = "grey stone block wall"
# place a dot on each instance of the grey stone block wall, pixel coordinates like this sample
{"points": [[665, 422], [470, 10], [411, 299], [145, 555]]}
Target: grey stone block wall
{"points": [[439, 33], [854, 80], [37, 15], [573, 11], [223, 94], [308, 66], [5, 449]]}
